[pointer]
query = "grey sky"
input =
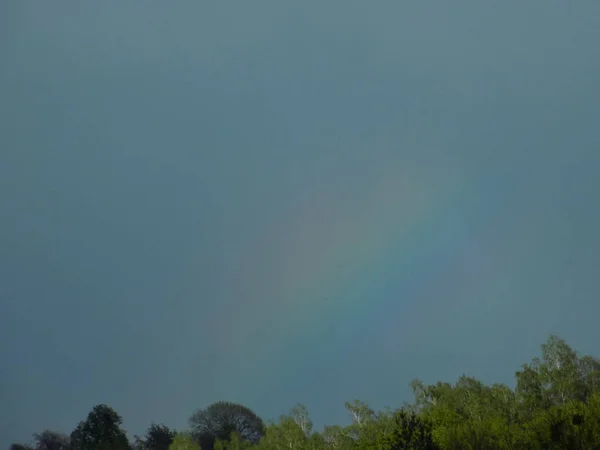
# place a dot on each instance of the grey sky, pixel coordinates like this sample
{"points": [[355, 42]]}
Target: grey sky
{"points": [[272, 202]]}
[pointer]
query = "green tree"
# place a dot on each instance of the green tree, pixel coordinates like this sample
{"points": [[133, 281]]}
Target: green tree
{"points": [[299, 414], [369, 429], [557, 378], [184, 441], [574, 425], [555, 405], [530, 390], [235, 442], [336, 438], [100, 431], [316, 442], [560, 371], [409, 432], [286, 434], [294, 431], [468, 414], [590, 372], [364, 422]]}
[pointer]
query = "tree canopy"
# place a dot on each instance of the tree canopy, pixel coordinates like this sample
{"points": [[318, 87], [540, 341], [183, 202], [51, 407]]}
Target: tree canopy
{"points": [[100, 431], [158, 437], [555, 405], [221, 419]]}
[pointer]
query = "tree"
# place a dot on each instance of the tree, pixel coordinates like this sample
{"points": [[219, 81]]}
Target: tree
{"points": [[100, 431], [300, 416], [361, 413], [183, 441], [363, 420], [589, 368], [336, 438], [557, 378], [468, 414], [236, 442], [158, 437], [560, 372], [530, 391], [51, 440], [220, 419], [286, 434], [292, 432], [368, 428], [410, 432], [17, 446], [555, 406]]}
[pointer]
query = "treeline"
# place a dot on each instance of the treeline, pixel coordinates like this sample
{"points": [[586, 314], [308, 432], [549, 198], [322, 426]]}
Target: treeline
{"points": [[555, 405]]}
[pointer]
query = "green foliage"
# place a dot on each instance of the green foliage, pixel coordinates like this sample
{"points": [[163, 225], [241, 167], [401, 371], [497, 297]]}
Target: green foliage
{"points": [[558, 378], [337, 438], [555, 405], [184, 441], [409, 432], [286, 434], [235, 442], [292, 432]]}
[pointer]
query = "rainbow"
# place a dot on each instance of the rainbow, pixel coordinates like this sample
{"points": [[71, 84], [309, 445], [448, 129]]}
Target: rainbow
{"points": [[328, 260]]}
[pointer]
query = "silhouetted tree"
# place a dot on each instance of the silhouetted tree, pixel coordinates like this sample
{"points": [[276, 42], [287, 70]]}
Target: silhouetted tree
{"points": [[100, 431], [158, 437], [221, 419], [52, 440], [17, 446]]}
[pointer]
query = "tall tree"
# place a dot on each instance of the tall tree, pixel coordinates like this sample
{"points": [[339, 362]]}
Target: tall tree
{"points": [[560, 372], [300, 416], [557, 378], [220, 419], [100, 431]]}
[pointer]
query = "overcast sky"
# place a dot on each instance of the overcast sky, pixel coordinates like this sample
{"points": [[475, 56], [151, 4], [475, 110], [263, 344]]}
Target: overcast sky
{"points": [[273, 202]]}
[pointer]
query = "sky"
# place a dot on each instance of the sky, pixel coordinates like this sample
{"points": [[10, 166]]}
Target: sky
{"points": [[276, 202]]}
